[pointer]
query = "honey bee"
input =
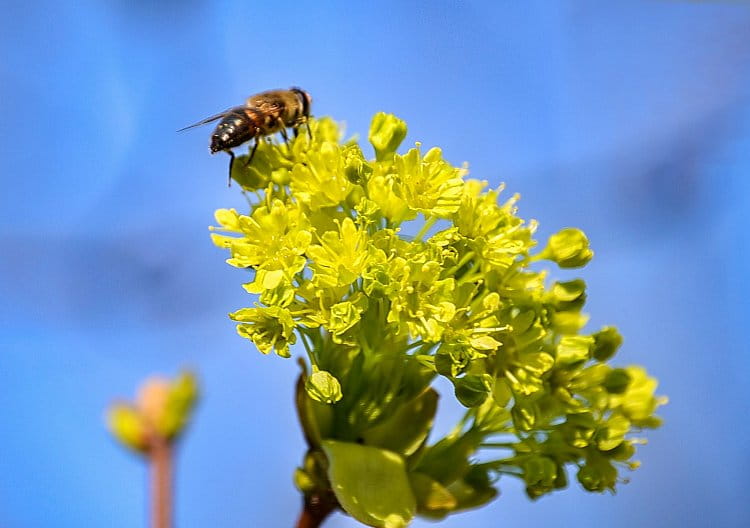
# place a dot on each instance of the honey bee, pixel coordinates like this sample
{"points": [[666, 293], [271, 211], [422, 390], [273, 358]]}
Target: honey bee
{"points": [[262, 114]]}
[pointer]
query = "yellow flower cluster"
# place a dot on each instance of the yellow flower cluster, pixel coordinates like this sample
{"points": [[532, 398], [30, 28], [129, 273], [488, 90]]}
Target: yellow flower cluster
{"points": [[328, 250]]}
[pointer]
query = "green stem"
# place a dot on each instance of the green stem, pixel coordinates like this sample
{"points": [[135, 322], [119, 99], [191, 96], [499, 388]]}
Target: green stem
{"points": [[461, 263], [469, 274], [429, 222], [308, 347]]}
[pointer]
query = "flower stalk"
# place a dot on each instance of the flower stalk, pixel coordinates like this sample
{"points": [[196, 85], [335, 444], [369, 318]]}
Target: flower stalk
{"points": [[161, 467], [151, 427]]}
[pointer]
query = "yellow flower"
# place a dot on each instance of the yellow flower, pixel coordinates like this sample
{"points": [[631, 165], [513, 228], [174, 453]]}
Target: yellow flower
{"points": [[429, 184], [321, 181], [273, 242], [341, 256], [271, 329]]}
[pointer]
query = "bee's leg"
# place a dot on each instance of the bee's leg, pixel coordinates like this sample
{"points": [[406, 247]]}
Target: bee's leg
{"points": [[282, 130], [296, 132], [252, 152], [231, 164], [309, 130]]}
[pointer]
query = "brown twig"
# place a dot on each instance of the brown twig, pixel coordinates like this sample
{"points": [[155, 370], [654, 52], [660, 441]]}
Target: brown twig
{"points": [[315, 509], [160, 458]]}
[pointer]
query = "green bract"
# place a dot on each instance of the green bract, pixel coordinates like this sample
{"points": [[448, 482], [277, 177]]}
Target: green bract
{"points": [[382, 314]]}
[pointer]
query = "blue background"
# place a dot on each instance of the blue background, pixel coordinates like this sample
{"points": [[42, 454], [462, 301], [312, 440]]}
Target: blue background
{"points": [[630, 120]]}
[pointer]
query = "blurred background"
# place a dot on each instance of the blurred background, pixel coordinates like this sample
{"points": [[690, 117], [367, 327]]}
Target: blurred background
{"points": [[628, 119]]}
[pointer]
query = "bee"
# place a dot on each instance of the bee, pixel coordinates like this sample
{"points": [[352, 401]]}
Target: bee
{"points": [[262, 114]]}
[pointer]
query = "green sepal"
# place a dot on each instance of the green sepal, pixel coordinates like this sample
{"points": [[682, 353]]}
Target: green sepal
{"points": [[370, 484]]}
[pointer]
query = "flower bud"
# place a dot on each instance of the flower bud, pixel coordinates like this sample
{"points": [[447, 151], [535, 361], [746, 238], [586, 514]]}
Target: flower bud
{"points": [[323, 387], [386, 134], [606, 342], [162, 409], [569, 248], [127, 426]]}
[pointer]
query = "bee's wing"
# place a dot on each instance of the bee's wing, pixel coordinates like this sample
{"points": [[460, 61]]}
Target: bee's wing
{"points": [[207, 120]]}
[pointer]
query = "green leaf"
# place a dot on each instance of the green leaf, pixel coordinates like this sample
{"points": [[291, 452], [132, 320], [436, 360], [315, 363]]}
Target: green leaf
{"points": [[407, 428], [448, 460], [370, 484]]}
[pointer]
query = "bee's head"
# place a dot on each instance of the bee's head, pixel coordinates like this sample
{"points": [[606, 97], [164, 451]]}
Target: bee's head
{"points": [[305, 98]]}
